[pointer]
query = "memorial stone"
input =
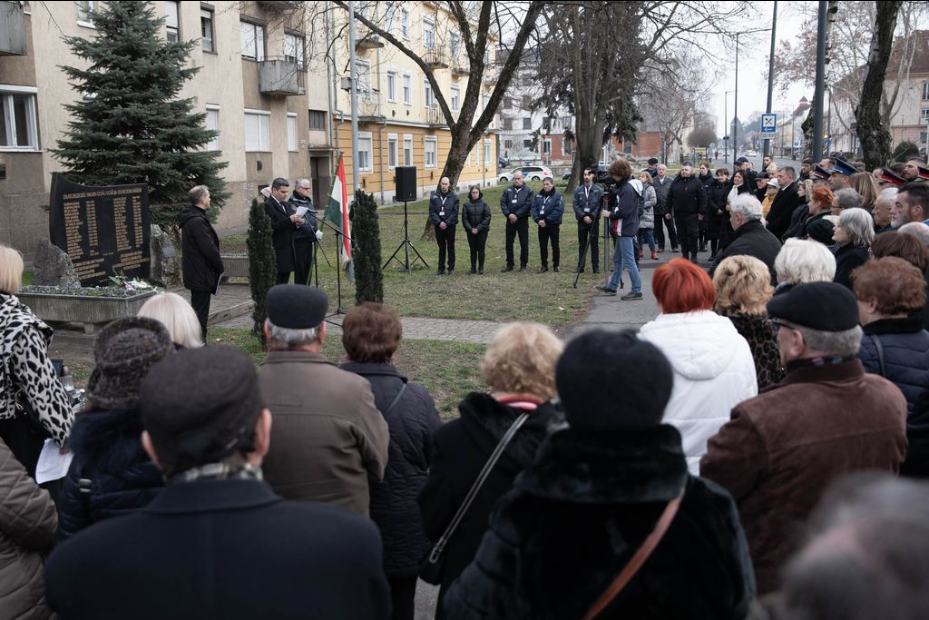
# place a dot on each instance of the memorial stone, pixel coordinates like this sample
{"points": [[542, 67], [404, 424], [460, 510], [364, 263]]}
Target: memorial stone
{"points": [[52, 267], [104, 230]]}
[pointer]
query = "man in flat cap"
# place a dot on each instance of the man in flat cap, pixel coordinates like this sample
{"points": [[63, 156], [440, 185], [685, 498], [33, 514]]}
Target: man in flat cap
{"points": [[781, 449], [217, 542], [328, 437]]}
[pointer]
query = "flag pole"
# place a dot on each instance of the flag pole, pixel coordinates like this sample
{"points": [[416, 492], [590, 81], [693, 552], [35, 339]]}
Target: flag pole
{"points": [[356, 183]]}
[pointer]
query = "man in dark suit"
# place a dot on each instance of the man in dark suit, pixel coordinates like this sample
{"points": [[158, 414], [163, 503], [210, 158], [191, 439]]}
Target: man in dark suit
{"points": [[202, 263], [217, 542], [786, 201], [284, 223]]}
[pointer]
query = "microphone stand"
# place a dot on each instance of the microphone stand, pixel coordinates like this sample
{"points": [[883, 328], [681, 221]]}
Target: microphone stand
{"points": [[338, 272]]}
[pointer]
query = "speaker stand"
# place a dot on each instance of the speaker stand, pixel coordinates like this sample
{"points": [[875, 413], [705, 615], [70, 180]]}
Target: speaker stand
{"points": [[406, 245]]}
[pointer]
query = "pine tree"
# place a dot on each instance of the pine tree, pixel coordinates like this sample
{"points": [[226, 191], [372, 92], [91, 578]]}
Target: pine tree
{"points": [[262, 266], [369, 279], [128, 125]]}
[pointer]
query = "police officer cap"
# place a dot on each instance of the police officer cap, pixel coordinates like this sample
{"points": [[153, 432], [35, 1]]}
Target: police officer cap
{"points": [[823, 306], [844, 167], [295, 306]]}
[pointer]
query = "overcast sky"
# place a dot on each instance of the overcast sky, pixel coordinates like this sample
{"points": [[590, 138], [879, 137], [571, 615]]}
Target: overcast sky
{"points": [[753, 63]]}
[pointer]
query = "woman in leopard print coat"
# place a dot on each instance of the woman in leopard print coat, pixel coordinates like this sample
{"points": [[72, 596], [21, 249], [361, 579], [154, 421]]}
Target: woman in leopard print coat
{"points": [[26, 373], [743, 287]]}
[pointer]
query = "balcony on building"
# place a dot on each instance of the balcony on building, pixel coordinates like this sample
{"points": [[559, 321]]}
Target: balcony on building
{"points": [[369, 42], [12, 29], [279, 6], [460, 67], [369, 108], [433, 116], [281, 77], [435, 59]]}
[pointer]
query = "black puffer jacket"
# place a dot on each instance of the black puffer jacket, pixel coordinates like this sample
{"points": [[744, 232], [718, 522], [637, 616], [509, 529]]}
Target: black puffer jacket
{"points": [[476, 215], [686, 198], [905, 345], [412, 421], [202, 264], [577, 515], [462, 447], [108, 452]]}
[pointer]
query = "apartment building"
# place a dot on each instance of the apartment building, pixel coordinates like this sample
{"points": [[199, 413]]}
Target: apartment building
{"points": [[400, 122], [269, 105]]}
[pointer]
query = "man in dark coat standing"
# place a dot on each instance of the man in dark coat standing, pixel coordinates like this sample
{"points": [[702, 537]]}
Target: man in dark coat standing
{"points": [[750, 237], [687, 201], [587, 207], [443, 211], [217, 542], [663, 216], [202, 264], [284, 223], [515, 203], [781, 449], [308, 234], [785, 202]]}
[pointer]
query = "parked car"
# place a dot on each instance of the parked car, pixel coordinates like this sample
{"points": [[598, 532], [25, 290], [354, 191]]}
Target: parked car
{"points": [[601, 176], [503, 162], [530, 173]]}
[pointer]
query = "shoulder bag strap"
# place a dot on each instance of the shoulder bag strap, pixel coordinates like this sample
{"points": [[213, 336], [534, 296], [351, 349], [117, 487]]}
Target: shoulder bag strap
{"points": [[475, 488], [395, 400], [637, 560], [880, 353]]}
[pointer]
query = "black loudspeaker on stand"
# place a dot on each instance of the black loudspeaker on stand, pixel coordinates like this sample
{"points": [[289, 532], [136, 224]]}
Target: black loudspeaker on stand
{"points": [[405, 190]]}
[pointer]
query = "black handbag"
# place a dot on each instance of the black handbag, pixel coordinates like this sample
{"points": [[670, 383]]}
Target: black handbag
{"points": [[432, 568]]}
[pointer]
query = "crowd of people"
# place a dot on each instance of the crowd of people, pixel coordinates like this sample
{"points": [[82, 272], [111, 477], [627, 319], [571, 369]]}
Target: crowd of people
{"points": [[697, 468]]}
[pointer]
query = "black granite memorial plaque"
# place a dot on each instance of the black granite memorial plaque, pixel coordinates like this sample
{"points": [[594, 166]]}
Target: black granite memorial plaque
{"points": [[104, 230]]}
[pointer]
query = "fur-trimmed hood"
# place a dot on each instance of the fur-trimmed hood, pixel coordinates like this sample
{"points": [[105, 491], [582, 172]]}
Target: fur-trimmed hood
{"points": [[608, 468]]}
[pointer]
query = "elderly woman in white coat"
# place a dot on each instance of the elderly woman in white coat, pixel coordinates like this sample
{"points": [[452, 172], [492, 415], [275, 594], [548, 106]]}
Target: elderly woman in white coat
{"points": [[713, 365]]}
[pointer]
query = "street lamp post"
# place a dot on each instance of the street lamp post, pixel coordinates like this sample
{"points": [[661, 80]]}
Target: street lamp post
{"points": [[728, 128]]}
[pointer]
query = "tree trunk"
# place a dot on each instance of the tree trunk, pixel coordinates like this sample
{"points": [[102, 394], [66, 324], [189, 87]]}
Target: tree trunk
{"points": [[875, 140]]}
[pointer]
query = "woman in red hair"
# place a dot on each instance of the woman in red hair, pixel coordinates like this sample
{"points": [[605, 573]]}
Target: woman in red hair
{"points": [[713, 365]]}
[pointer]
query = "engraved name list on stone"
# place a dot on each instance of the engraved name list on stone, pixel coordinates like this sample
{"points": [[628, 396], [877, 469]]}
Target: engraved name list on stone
{"points": [[104, 230]]}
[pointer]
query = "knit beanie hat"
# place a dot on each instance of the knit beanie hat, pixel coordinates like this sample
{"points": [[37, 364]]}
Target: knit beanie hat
{"points": [[610, 381], [123, 353]]}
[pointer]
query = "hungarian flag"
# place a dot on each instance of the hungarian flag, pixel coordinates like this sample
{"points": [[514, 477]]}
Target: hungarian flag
{"points": [[337, 213]]}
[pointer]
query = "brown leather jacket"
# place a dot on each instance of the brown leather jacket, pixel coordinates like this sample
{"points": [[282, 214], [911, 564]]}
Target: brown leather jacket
{"points": [[327, 437], [27, 529], [781, 449]]}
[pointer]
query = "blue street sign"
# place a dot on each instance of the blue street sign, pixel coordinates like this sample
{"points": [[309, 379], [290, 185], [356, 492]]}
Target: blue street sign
{"points": [[769, 123]]}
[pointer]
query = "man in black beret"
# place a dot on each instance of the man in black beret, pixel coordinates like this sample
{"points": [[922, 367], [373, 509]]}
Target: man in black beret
{"points": [[781, 449], [328, 437], [217, 542]]}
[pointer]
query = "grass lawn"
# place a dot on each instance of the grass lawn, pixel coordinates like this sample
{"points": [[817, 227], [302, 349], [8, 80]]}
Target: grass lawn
{"points": [[547, 298], [448, 370]]}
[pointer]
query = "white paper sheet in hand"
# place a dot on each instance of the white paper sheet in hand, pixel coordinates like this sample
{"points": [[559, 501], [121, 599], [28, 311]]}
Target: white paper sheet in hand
{"points": [[301, 211], [52, 465]]}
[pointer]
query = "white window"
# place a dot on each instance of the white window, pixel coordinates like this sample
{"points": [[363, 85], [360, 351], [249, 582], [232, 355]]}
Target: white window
{"points": [[431, 149], [407, 89], [257, 130], [407, 149], [468, 164], [428, 95], [488, 151], [390, 15], [212, 124], [392, 151], [455, 44], [363, 67], [477, 155], [364, 152], [392, 86], [926, 91], [547, 146], [253, 41], [456, 98], [924, 114], [172, 24], [207, 30], [291, 132], [487, 57], [18, 128], [428, 34], [293, 50], [405, 23], [85, 13], [485, 101]]}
